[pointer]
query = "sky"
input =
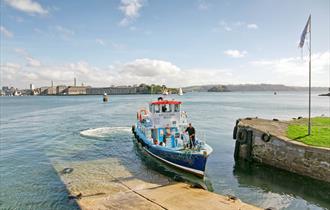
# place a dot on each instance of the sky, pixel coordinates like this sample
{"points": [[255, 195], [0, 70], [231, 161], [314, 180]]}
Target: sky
{"points": [[176, 43]]}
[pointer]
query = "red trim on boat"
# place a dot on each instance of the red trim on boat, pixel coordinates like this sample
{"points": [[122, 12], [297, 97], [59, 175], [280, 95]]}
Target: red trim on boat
{"points": [[166, 102]]}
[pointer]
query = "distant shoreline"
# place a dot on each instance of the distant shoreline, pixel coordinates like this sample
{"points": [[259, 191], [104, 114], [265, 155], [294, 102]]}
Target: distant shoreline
{"points": [[62, 90], [249, 87], [318, 92]]}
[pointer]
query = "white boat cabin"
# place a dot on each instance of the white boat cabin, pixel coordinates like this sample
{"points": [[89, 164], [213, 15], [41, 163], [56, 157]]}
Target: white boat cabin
{"points": [[163, 123]]}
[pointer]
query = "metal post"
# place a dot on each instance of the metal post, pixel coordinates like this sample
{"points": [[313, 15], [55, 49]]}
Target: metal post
{"points": [[310, 74]]}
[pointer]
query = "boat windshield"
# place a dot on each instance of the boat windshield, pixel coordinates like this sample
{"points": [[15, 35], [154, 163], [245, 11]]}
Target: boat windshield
{"points": [[162, 108]]}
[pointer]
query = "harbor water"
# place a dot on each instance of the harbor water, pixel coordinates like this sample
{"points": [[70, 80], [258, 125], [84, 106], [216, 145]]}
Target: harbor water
{"points": [[43, 133]]}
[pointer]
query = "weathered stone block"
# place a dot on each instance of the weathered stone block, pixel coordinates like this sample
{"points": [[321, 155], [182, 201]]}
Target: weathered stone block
{"points": [[288, 154]]}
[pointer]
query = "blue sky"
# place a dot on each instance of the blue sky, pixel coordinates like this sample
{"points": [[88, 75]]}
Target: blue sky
{"points": [[176, 43]]}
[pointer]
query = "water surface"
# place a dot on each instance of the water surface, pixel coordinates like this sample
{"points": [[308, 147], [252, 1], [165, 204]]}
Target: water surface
{"points": [[38, 132]]}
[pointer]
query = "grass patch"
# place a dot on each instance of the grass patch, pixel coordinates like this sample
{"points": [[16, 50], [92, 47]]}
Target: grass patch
{"points": [[320, 133]]}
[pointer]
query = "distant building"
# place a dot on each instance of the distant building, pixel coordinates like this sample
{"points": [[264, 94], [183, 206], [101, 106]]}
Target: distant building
{"points": [[10, 91], [122, 90], [51, 91], [60, 89], [43, 90], [119, 90], [75, 90], [17, 93], [35, 92], [26, 92], [5, 91], [31, 87], [98, 91]]}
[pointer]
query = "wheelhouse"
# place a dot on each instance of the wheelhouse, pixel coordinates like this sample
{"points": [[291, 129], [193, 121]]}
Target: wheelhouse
{"points": [[166, 106], [163, 122]]}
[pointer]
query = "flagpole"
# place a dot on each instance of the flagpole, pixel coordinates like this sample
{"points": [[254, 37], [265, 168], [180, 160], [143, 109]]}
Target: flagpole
{"points": [[310, 74]]}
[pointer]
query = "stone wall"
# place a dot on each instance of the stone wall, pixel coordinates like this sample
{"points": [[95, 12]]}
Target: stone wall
{"points": [[286, 154]]}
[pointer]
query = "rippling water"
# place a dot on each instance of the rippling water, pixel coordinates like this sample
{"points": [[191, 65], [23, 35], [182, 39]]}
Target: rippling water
{"points": [[38, 133]]}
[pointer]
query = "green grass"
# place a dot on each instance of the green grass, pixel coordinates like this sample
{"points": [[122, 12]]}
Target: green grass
{"points": [[320, 133]]}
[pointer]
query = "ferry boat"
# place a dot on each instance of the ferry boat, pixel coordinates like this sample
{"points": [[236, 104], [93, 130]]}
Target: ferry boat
{"points": [[161, 131]]}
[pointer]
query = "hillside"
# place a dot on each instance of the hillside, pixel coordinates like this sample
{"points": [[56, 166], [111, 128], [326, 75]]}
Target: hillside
{"points": [[248, 87]]}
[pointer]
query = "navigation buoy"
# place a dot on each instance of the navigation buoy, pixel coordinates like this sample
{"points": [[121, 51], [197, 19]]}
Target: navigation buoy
{"points": [[105, 97]]}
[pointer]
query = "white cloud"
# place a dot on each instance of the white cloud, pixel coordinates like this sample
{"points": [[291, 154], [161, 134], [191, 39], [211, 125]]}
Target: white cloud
{"points": [[149, 68], [5, 32], [225, 25], [297, 65], [203, 5], [163, 72], [63, 32], [100, 41], [33, 62], [227, 28], [235, 53], [131, 9], [230, 26], [252, 26], [21, 51], [135, 72], [289, 71], [238, 23], [28, 6], [294, 70], [30, 61]]}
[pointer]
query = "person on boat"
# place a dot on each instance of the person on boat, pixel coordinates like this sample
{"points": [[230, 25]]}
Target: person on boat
{"points": [[164, 109], [191, 133]]}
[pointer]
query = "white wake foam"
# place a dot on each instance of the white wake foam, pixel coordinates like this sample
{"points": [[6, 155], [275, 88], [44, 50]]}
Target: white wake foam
{"points": [[105, 132]]}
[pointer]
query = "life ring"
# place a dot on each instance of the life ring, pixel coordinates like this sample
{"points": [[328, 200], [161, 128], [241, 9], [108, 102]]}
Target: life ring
{"points": [[242, 136], [144, 111], [266, 137], [141, 113]]}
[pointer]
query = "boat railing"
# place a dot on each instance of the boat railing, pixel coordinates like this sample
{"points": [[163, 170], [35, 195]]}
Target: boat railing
{"points": [[199, 140], [183, 117], [201, 136]]}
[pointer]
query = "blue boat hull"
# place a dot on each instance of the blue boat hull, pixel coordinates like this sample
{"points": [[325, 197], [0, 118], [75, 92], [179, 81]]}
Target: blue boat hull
{"points": [[188, 161]]}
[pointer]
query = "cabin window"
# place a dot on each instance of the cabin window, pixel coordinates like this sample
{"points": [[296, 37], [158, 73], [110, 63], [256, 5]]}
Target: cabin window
{"points": [[170, 107], [152, 108], [164, 108], [176, 108], [157, 109]]}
